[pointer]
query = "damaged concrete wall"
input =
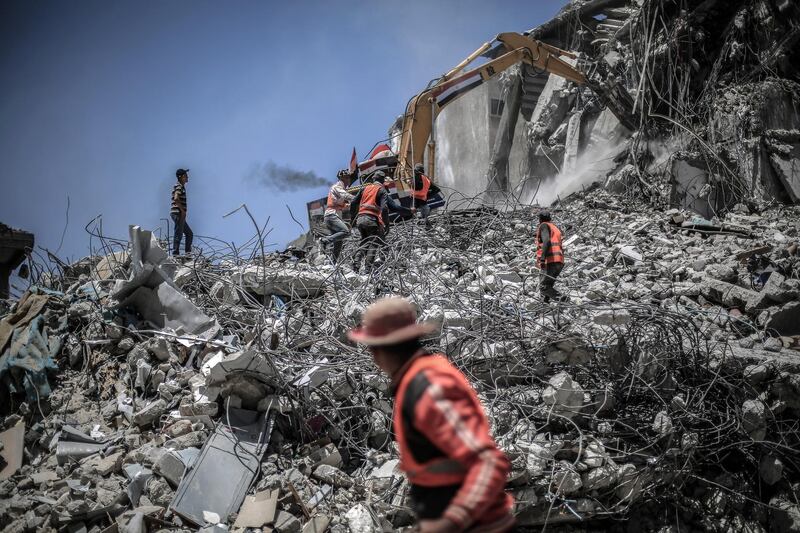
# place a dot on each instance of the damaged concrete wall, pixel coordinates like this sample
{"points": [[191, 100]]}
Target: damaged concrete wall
{"points": [[462, 142]]}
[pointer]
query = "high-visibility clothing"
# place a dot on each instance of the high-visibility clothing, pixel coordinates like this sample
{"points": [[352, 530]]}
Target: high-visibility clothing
{"points": [[446, 449], [555, 254], [422, 194], [335, 202], [369, 202]]}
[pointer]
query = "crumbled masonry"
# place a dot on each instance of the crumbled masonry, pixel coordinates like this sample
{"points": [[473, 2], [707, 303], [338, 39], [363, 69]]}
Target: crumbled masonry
{"points": [[643, 390], [220, 392]]}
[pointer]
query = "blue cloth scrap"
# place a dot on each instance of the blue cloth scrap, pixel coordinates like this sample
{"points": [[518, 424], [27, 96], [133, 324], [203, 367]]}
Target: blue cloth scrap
{"points": [[32, 351]]}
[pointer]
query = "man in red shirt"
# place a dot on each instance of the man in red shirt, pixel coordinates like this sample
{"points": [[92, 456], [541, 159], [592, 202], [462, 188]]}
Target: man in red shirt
{"points": [[455, 471]]}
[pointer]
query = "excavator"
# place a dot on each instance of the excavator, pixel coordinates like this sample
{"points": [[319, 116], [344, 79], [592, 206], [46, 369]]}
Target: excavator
{"points": [[419, 121], [418, 124]]}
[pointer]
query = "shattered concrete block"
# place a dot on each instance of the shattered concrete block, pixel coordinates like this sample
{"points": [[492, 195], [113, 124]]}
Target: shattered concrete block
{"points": [[199, 408], [612, 317], [104, 466], [159, 348], [332, 476], [170, 467], [754, 419], [149, 413], [773, 344], [538, 459], [224, 292], [600, 477], [726, 293], [564, 395], [248, 360], [757, 374], [662, 423], [360, 520], [566, 482], [594, 455]]}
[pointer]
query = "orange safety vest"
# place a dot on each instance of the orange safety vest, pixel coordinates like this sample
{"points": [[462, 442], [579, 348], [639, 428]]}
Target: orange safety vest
{"points": [[556, 254], [369, 202], [440, 471], [334, 203], [422, 194]]}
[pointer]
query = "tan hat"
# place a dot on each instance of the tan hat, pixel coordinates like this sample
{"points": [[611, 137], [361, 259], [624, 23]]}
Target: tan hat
{"points": [[389, 321]]}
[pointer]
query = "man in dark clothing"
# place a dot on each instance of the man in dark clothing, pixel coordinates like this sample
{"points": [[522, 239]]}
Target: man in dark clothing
{"points": [[456, 472], [549, 256], [178, 213], [370, 210], [423, 189]]}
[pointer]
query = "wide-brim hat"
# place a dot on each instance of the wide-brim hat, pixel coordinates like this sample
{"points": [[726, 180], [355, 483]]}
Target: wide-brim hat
{"points": [[388, 321]]}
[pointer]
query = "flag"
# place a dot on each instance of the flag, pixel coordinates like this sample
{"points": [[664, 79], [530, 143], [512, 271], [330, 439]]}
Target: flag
{"points": [[353, 160]]}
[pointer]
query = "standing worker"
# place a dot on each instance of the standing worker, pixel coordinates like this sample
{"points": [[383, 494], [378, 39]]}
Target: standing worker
{"points": [[370, 209], [338, 199], [454, 467], [178, 213], [423, 188], [549, 256]]}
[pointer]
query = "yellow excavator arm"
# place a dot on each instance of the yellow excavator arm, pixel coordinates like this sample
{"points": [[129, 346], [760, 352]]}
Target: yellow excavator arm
{"points": [[419, 121]]}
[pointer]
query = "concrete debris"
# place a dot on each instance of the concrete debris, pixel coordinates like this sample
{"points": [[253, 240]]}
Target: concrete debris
{"points": [[663, 344], [660, 394], [564, 395]]}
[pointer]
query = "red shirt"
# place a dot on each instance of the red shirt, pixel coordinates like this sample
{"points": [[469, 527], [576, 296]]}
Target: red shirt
{"points": [[448, 414]]}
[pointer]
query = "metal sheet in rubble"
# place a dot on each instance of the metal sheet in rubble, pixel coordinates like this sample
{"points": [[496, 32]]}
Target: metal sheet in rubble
{"points": [[219, 478]]}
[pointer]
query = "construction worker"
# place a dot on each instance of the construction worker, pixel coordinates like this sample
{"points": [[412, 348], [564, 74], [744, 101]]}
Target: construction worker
{"points": [[422, 190], [178, 213], [454, 468], [338, 199], [549, 256], [370, 209]]}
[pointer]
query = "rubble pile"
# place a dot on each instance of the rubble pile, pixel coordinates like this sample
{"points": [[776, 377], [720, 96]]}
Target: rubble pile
{"points": [[664, 389], [714, 85]]}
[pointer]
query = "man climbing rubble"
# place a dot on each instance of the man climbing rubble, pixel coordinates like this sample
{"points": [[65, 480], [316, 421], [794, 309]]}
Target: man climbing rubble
{"points": [[422, 190], [370, 209], [178, 213], [454, 467], [549, 256], [338, 200]]}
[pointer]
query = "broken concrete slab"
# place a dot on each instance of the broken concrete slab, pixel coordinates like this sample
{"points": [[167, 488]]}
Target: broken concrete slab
{"points": [[726, 294], [258, 510], [13, 443], [151, 291]]}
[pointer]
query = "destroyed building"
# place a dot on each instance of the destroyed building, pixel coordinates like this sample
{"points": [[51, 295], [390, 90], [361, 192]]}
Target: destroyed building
{"points": [[143, 394]]}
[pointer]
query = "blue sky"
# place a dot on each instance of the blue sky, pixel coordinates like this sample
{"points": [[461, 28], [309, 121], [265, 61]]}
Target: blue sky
{"points": [[102, 101]]}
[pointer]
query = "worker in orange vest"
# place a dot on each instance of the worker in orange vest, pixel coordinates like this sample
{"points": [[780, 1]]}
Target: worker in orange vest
{"points": [[370, 209], [422, 190], [549, 256], [454, 468], [338, 200]]}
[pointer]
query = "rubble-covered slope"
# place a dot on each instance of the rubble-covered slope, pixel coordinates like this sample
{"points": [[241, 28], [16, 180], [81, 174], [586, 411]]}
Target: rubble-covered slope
{"points": [[664, 391]]}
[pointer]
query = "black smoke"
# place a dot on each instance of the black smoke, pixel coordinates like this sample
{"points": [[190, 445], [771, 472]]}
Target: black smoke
{"points": [[284, 178]]}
